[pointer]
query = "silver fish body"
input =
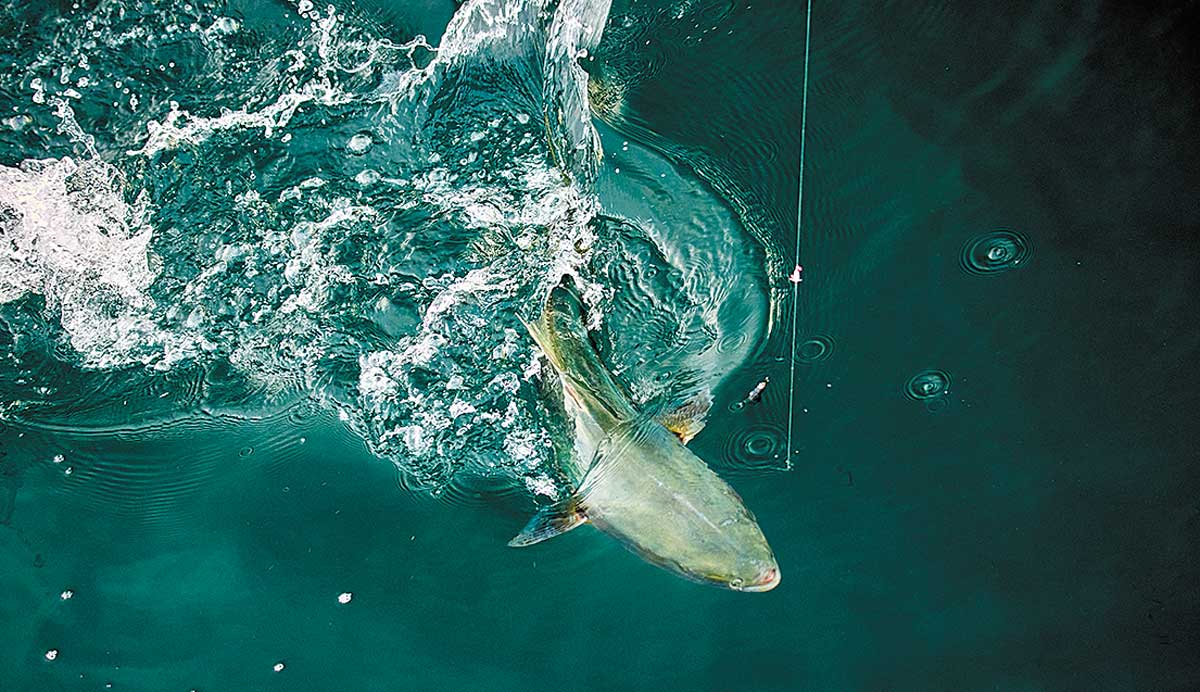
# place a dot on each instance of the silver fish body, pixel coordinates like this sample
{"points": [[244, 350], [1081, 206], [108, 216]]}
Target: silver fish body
{"points": [[636, 480]]}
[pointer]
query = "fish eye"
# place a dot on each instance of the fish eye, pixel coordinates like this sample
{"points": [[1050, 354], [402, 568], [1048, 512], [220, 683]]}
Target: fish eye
{"points": [[736, 583]]}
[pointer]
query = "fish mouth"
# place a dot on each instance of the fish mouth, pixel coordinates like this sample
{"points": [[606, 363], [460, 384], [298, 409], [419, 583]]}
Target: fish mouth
{"points": [[767, 581]]}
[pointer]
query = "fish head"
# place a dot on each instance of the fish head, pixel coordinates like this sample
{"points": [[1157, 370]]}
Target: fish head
{"points": [[734, 556], [666, 505]]}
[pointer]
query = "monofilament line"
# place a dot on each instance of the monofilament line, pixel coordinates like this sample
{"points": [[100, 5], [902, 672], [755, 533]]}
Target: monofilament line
{"points": [[796, 278]]}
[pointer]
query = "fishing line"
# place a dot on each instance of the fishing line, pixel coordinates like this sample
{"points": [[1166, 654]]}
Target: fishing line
{"points": [[795, 277]]}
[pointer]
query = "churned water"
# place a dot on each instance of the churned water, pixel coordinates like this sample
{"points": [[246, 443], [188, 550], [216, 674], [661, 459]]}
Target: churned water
{"points": [[268, 414]]}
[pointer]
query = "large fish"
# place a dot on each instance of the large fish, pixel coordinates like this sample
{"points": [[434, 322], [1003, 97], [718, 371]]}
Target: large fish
{"points": [[634, 478]]}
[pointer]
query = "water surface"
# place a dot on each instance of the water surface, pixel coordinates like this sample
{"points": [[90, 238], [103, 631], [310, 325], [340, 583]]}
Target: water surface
{"points": [[259, 344]]}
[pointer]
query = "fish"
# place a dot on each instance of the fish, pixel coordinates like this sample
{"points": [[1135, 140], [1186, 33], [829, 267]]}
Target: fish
{"points": [[634, 477], [755, 394]]}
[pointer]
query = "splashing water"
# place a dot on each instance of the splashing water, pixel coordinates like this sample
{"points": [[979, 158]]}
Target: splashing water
{"points": [[289, 204]]}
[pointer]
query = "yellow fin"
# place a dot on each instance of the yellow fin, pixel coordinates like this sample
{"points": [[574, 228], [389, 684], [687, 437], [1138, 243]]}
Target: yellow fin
{"points": [[688, 420], [551, 521], [541, 336]]}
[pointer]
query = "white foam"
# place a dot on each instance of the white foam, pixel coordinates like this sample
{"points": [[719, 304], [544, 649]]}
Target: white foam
{"points": [[179, 127], [78, 243], [270, 293]]}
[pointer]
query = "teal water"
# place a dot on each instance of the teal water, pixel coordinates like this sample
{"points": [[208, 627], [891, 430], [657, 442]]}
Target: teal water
{"points": [[259, 343]]}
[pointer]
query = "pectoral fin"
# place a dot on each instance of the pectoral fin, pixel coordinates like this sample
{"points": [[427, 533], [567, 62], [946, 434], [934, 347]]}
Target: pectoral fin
{"points": [[551, 521], [688, 420]]}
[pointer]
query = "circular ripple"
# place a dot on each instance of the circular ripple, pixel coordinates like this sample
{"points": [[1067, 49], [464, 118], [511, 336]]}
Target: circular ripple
{"points": [[474, 490], [994, 252], [937, 404], [732, 343], [927, 384], [760, 447], [814, 349], [155, 478]]}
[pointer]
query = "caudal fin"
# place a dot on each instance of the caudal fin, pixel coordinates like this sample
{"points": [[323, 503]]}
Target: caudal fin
{"points": [[551, 521]]}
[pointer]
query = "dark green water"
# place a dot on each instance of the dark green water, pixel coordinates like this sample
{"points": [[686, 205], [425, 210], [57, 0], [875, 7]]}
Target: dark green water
{"points": [[1029, 524]]}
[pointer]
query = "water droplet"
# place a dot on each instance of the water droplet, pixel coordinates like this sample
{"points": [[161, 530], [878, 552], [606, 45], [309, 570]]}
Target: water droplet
{"points": [[927, 384], [246, 451], [226, 25], [996, 251]]}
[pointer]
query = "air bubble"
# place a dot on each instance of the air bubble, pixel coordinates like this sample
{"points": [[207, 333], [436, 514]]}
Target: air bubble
{"points": [[360, 143], [18, 123], [226, 25]]}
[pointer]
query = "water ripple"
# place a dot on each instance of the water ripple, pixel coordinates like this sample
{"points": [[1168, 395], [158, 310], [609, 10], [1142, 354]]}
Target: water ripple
{"points": [[757, 448], [994, 252], [814, 349], [927, 384]]}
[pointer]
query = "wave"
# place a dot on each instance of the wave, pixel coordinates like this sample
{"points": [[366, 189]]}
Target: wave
{"points": [[309, 209]]}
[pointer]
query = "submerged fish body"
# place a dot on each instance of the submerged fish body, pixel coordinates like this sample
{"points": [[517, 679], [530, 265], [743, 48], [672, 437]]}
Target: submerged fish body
{"points": [[636, 480]]}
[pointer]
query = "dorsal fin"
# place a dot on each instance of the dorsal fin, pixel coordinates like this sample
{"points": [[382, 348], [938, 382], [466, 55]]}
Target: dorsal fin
{"points": [[537, 330], [688, 420], [550, 521]]}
